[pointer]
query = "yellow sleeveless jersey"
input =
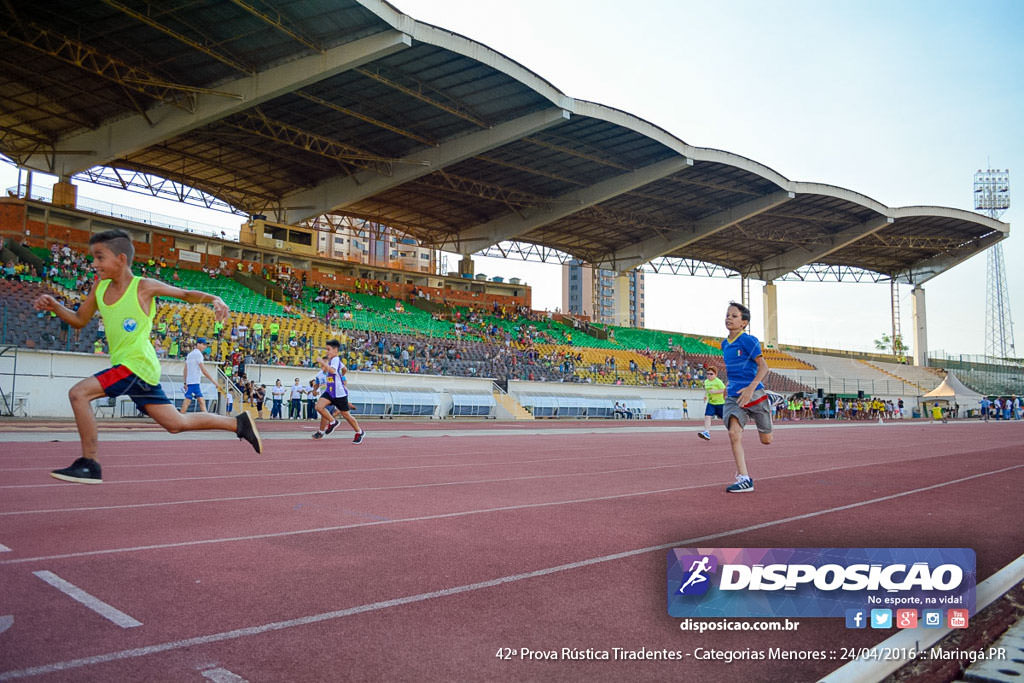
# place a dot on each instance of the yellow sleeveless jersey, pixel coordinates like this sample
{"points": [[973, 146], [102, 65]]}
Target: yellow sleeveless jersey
{"points": [[128, 329]]}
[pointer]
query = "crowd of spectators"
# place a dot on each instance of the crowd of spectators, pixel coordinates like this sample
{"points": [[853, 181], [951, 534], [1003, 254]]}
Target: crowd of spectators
{"points": [[498, 341]]}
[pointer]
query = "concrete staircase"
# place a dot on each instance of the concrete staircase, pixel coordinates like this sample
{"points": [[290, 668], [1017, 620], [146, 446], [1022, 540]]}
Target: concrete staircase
{"points": [[507, 404], [923, 390]]}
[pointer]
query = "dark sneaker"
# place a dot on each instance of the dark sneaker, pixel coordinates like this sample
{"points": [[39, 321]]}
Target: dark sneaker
{"points": [[318, 434], [706, 435], [245, 428], [331, 427], [81, 471], [743, 484], [358, 438]]}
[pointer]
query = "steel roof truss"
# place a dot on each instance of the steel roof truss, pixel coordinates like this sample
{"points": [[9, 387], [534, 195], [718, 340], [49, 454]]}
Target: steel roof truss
{"points": [[509, 226], [194, 44], [278, 23], [926, 269], [811, 253], [131, 134], [339, 192], [629, 258]]}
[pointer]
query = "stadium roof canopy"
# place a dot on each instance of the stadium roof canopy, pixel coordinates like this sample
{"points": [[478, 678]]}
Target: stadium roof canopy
{"points": [[297, 108]]}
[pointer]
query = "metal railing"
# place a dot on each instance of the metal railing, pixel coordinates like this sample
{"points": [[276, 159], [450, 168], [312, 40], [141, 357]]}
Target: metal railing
{"points": [[227, 387], [870, 387]]}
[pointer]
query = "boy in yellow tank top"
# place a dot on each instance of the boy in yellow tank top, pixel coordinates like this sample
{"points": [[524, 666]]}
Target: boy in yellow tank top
{"points": [[125, 303]]}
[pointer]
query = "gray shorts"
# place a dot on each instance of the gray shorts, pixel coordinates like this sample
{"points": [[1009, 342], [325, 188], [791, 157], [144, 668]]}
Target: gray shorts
{"points": [[761, 413]]}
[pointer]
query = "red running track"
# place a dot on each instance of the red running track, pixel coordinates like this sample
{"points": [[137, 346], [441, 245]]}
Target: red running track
{"points": [[417, 555]]}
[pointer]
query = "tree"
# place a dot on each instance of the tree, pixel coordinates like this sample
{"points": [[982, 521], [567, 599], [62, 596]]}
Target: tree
{"points": [[893, 344]]}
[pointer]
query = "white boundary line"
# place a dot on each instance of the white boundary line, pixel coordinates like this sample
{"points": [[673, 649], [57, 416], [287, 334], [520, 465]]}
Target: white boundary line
{"points": [[688, 463], [211, 477], [874, 667], [92, 602], [467, 513], [221, 675], [113, 435], [455, 590]]}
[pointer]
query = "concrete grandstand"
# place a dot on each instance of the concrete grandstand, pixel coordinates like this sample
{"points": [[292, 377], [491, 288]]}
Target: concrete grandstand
{"points": [[464, 149]]}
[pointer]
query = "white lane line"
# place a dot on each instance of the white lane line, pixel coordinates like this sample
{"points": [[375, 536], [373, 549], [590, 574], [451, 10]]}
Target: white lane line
{"points": [[455, 590], [227, 499], [92, 602], [851, 453], [364, 470], [4, 549], [160, 435], [396, 487], [444, 515], [220, 675]]}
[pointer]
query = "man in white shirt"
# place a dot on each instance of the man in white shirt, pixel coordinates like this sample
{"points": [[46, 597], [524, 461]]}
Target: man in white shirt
{"points": [[295, 406], [194, 371], [276, 397]]}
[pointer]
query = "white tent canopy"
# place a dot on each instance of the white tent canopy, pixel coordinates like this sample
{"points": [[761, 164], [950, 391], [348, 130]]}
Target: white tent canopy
{"points": [[954, 391]]}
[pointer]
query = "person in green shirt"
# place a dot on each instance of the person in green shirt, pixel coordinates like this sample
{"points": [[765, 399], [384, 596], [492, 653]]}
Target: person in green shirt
{"points": [[126, 304], [714, 390]]}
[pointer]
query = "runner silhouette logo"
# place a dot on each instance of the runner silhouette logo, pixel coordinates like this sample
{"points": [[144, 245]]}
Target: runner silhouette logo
{"points": [[696, 580]]}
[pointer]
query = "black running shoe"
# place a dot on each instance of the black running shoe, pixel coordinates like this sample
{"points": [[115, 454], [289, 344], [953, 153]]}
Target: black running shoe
{"points": [[245, 428], [318, 434], [331, 427], [81, 471], [358, 438]]}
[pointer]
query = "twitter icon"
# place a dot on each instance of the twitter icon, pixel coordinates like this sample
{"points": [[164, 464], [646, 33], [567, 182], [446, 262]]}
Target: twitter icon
{"points": [[881, 618]]}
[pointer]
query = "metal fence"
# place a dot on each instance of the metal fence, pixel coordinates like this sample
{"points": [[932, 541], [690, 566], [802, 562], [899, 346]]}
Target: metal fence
{"points": [[837, 385], [1003, 376]]}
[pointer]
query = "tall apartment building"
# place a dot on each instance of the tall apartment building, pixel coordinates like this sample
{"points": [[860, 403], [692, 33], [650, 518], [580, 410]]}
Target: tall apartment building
{"points": [[359, 241], [604, 295]]}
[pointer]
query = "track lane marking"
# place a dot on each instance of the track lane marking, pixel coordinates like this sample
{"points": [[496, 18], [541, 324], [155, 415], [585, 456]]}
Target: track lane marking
{"points": [[425, 518], [222, 675], [456, 590], [101, 608], [702, 464]]}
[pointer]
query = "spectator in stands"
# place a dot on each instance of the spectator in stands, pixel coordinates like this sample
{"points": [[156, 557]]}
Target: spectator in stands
{"points": [[136, 369], [295, 405], [195, 369], [277, 398], [259, 396]]}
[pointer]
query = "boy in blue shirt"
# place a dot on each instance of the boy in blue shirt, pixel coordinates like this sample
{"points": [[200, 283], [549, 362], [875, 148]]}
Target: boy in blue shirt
{"points": [[745, 397]]}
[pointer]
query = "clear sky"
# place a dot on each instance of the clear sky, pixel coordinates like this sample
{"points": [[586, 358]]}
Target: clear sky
{"points": [[902, 102]]}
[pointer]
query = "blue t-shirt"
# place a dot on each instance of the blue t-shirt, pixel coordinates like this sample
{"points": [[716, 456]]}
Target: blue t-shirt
{"points": [[741, 362]]}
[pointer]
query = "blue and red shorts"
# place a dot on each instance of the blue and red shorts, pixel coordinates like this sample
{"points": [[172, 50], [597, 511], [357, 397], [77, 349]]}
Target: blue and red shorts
{"points": [[120, 381]]}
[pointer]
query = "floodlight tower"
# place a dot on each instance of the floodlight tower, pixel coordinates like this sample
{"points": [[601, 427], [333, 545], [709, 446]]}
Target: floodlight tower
{"points": [[992, 195]]}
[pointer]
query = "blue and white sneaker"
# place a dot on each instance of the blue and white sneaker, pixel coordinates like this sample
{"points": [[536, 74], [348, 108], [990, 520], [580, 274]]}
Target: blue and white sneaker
{"points": [[743, 484], [706, 435]]}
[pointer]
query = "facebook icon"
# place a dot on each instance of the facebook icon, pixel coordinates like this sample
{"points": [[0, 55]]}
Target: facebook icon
{"points": [[856, 618]]}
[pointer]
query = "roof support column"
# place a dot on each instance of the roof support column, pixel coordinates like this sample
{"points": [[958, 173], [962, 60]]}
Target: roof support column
{"points": [[771, 314], [920, 327]]}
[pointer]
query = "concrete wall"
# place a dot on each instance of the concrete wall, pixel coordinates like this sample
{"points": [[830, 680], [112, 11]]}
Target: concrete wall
{"points": [[44, 378], [654, 398]]}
